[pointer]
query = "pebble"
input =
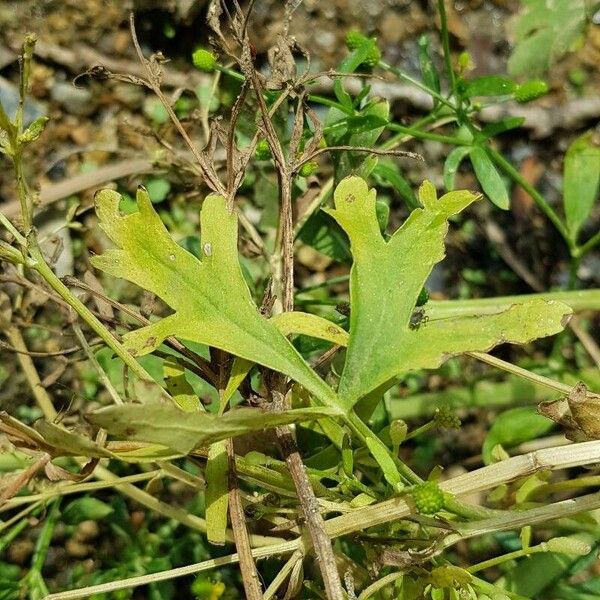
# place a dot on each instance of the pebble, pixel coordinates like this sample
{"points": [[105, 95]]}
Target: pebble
{"points": [[76, 101], [130, 95]]}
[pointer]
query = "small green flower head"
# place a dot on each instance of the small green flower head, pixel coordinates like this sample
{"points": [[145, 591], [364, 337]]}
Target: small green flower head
{"points": [[530, 90], [445, 418], [308, 168], [204, 60], [373, 57], [354, 39], [262, 152], [428, 497]]}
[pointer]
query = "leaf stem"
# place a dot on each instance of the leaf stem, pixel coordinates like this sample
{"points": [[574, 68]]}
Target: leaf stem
{"points": [[40, 265], [540, 201], [587, 246], [524, 373], [446, 45]]}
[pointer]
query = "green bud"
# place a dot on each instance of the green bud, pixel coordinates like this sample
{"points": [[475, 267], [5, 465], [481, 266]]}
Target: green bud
{"points": [[464, 62], [308, 168], [354, 39], [398, 431], [204, 60], [530, 90], [263, 151], [428, 497], [34, 131], [446, 418], [373, 57], [569, 545]]}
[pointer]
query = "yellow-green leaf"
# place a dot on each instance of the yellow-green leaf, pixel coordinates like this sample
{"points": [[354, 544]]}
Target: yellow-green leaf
{"points": [[211, 300], [386, 278], [183, 431], [217, 493]]}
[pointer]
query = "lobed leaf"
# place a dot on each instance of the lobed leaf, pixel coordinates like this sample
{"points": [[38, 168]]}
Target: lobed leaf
{"points": [[385, 282], [545, 31], [211, 300]]}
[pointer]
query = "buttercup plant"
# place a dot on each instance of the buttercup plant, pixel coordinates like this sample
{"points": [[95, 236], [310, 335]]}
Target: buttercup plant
{"points": [[333, 484]]}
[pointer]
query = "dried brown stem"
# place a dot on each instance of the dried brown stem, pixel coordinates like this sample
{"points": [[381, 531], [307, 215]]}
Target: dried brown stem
{"points": [[365, 149], [250, 578], [283, 277], [152, 81]]}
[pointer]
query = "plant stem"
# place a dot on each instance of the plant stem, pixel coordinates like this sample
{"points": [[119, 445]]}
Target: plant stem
{"points": [[446, 45], [540, 201], [419, 84], [39, 264], [587, 246], [524, 373], [426, 135], [397, 508], [42, 398]]}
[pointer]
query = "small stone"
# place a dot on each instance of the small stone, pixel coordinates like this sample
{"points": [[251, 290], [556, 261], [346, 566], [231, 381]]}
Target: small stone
{"points": [[81, 135], [131, 96], [392, 27], [77, 101], [77, 549], [87, 530], [20, 551]]}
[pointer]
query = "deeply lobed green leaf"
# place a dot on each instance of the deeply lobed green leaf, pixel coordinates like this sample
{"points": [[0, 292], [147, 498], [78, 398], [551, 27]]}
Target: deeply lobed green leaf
{"points": [[211, 300], [385, 282]]}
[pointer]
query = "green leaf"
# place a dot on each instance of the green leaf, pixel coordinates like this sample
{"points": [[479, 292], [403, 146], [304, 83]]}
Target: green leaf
{"points": [[488, 177], [85, 509], [311, 325], [239, 371], [513, 427], [489, 85], [386, 280], [183, 431], [179, 388], [390, 471], [68, 443], [545, 31], [211, 300], [323, 234], [369, 125], [452, 163], [388, 172], [349, 65], [581, 180], [217, 493], [500, 126]]}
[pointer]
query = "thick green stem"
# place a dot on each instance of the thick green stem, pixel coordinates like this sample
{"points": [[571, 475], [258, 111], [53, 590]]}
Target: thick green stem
{"points": [[426, 135]]}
